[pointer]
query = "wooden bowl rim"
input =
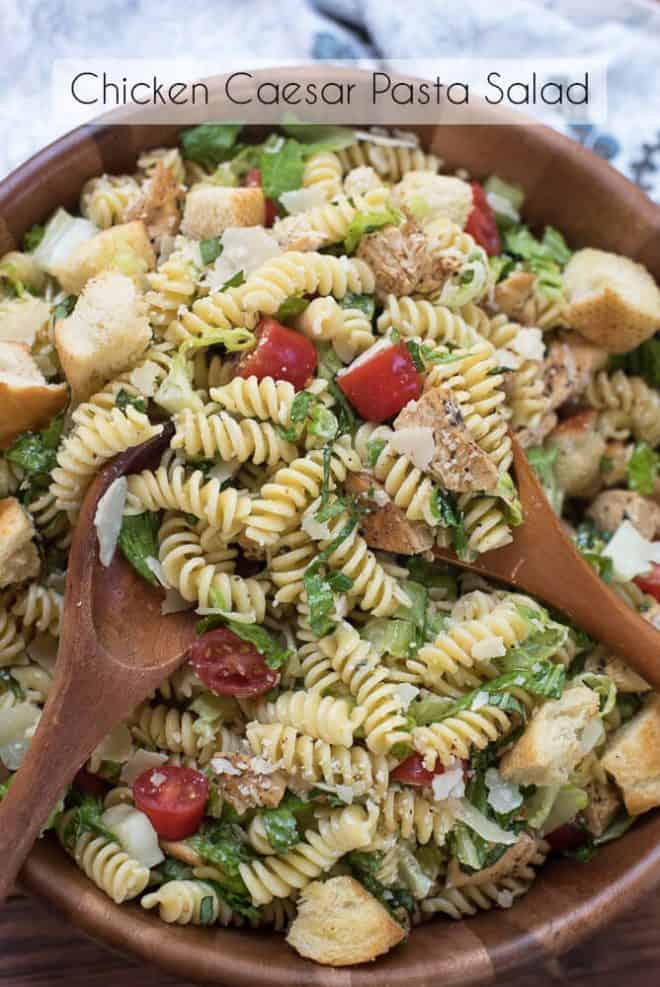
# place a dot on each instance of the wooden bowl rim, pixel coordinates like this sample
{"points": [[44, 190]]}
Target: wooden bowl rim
{"points": [[452, 953]]}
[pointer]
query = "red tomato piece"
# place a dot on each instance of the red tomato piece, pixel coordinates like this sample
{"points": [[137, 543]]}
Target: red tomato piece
{"points": [[230, 666], [650, 581], [379, 385], [481, 222], [281, 353], [173, 798], [566, 837], [89, 783], [412, 771], [253, 180]]}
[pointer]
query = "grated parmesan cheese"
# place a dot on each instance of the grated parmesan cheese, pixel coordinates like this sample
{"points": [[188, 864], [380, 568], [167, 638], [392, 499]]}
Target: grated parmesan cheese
{"points": [[449, 785], [489, 647], [406, 693], [416, 442], [631, 553], [244, 248], [139, 762], [528, 343], [503, 796], [300, 200]]}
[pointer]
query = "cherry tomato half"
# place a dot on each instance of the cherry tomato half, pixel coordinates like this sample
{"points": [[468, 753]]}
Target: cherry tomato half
{"points": [[89, 783], [230, 666], [566, 837], [280, 353], [253, 180], [412, 771], [378, 384], [650, 581], [173, 798], [481, 222]]}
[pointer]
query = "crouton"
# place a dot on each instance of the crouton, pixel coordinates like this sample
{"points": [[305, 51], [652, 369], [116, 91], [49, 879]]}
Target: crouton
{"points": [[604, 803], [515, 862], [247, 782], [625, 678], [580, 449], [106, 333], [22, 318], [401, 260], [433, 434], [158, 205], [512, 294], [613, 301], [125, 248], [612, 507], [211, 209], [549, 748], [339, 924], [632, 757], [27, 401], [438, 195], [386, 527], [19, 558], [536, 434], [569, 364]]}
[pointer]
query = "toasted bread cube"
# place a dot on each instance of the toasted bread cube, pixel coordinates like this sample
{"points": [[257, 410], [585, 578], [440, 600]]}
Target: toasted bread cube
{"points": [[19, 558], [632, 757], [549, 749], [22, 318], [613, 301], [27, 401], [339, 924], [106, 333], [441, 195], [580, 449], [211, 209], [125, 248]]}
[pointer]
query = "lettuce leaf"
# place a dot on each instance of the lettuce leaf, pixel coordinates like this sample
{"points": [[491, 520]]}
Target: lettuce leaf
{"points": [[209, 143], [138, 541], [643, 467], [644, 361], [367, 221], [282, 163]]}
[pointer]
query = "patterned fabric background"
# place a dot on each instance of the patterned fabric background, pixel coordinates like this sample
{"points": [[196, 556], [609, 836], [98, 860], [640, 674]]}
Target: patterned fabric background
{"points": [[624, 32]]}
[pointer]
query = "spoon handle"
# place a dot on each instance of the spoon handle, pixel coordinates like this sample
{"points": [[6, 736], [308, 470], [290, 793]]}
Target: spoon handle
{"points": [[63, 742]]}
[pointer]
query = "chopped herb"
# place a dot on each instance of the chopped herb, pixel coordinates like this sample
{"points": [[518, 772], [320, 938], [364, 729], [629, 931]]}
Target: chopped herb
{"points": [[210, 249], [282, 163], [36, 452], [210, 143], [64, 308], [33, 237], [590, 543], [374, 449], [291, 306], [138, 541], [281, 824], [223, 845], [235, 281], [365, 303], [367, 222], [125, 400], [320, 589], [643, 467]]}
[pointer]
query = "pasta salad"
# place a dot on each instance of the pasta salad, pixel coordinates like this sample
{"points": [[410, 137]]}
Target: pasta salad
{"points": [[341, 340]]}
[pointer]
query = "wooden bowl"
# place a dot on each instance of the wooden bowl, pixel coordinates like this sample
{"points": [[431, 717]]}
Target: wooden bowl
{"points": [[579, 193]]}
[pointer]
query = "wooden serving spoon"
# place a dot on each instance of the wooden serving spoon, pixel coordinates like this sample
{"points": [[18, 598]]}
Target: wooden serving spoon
{"points": [[542, 561], [115, 648]]}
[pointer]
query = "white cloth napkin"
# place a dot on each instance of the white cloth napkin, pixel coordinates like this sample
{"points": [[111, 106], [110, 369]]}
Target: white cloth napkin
{"points": [[627, 32]]}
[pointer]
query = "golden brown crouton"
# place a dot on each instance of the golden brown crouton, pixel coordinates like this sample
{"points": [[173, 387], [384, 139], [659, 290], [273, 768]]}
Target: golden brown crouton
{"points": [[450, 453], [612, 507], [580, 449], [106, 333], [339, 924], [22, 318], [632, 757], [568, 366], [27, 401], [604, 803], [516, 861], [400, 259], [246, 782], [19, 558], [386, 527], [125, 248], [512, 294], [612, 300], [211, 209], [549, 749], [158, 205]]}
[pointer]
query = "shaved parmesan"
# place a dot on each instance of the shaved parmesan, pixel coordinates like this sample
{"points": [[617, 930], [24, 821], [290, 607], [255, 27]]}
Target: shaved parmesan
{"points": [[116, 746], [507, 360], [145, 378], [406, 693], [153, 565], [416, 442], [244, 248], [482, 826], [318, 530], [135, 833], [138, 763], [503, 796], [449, 785], [528, 343], [479, 701], [631, 553], [489, 647], [108, 517], [345, 793], [504, 898], [301, 199]]}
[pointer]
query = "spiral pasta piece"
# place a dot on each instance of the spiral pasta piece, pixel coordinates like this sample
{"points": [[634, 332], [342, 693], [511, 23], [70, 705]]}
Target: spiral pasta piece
{"points": [[332, 220], [203, 579], [218, 434], [175, 489], [292, 489], [10, 477], [172, 730], [408, 814], [485, 523], [324, 172], [406, 485], [106, 864], [172, 285], [295, 273], [320, 717], [40, 607], [287, 569], [52, 524], [391, 161], [314, 761], [456, 736], [219, 310], [627, 404], [12, 641], [188, 902], [419, 318], [106, 199], [279, 876], [167, 157], [265, 398], [458, 902]]}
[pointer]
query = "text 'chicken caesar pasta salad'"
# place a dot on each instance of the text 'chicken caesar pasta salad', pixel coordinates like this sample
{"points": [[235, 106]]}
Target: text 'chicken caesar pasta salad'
{"points": [[343, 339]]}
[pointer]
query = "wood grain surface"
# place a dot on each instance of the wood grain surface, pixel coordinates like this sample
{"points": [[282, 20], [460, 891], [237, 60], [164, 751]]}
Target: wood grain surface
{"points": [[37, 949]]}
